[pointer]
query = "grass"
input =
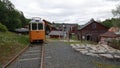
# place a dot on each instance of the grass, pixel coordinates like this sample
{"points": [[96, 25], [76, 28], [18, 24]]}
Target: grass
{"points": [[115, 43], [73, 42], [82, 42], [74, 37], [102, 65], [10, 45], [89, 42], [52, 39]]}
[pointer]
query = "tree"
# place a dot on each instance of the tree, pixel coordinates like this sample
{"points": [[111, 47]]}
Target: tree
{"points": [[3, 28], [107, 23], [23, 19], [111, 22], [11, 17], [116, 13]]}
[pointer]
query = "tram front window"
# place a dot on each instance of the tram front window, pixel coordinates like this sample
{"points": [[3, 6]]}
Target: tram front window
{"points": [[34, 26], [40, 26]]}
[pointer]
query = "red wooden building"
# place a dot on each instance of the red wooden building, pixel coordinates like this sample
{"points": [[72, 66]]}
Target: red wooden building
{"points": [[67, 27], [56, 34], [91, 31], [112, 33]]}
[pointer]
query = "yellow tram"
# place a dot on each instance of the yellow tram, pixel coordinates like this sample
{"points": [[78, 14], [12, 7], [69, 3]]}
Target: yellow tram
{"points": [[36, 30]]}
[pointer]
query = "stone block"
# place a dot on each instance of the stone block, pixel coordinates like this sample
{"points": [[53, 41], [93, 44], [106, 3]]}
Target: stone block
{"points": [[107, 56], [91, 54], [92, 51], [80, 49], [84, 52], [117, 56]]}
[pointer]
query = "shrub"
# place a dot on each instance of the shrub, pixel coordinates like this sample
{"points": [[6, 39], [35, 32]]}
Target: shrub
{"points": [[3, 28], [115, 43]]}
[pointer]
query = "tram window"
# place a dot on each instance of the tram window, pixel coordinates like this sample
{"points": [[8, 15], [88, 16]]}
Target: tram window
{"points": [[34, 26], [40, 26], [37, 20]]}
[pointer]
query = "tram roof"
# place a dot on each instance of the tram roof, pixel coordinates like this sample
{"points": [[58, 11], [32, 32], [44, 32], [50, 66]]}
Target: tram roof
{"points": [[36, 20]]}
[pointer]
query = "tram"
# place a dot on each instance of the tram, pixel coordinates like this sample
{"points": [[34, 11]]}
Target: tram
{"points": [[36, 30]]}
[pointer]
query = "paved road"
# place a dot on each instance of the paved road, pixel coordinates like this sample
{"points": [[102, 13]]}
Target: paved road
{"points": [[60, 55], [29, 59]]}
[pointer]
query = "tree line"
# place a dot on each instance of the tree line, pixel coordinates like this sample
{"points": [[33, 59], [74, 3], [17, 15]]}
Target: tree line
{"points": [[113, 21], [11, 17]]}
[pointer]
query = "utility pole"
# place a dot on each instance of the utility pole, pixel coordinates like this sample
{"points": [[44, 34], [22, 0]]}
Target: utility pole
{"points": [[68, 31], [63, 31]]}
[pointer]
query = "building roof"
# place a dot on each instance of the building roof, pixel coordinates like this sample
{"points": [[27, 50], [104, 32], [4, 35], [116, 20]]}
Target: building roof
{"points": [[57, 33], [114, 29], [36, 19], [91, 21], [22, 30], [64, 24], [110, 34], [83, 26]]}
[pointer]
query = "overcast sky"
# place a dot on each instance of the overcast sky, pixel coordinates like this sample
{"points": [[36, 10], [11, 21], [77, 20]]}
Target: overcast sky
{"points": [[67, 11]]}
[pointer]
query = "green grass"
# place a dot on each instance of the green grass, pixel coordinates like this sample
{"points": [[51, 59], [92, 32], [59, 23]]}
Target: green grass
{"points": [[89, 42], [73, 37], [10, 45], [52, 39], [82, 42], [73, 42], [102, 65]]}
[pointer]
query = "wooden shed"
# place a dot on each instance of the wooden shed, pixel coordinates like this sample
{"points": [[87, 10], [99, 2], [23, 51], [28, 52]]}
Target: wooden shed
{"points": [[91, 31], [112, 33], [56, 34]]}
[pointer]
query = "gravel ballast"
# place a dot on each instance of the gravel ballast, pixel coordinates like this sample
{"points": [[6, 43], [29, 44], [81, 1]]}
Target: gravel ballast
{"points": [[60, 55]]}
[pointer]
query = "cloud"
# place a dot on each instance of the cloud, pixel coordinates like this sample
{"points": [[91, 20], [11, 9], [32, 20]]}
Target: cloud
{"points": [[69, 11], [112, 0]]}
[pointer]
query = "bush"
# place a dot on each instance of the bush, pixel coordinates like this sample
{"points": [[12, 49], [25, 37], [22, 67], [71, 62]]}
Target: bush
{"points": [[115, 43], [3, 28]]}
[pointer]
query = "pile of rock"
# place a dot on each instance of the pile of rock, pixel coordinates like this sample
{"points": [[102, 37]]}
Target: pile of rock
{"points": [[97, 50]]}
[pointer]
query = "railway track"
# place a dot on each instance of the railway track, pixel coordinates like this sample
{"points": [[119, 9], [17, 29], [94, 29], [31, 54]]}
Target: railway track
{"points": [[32, 57]]}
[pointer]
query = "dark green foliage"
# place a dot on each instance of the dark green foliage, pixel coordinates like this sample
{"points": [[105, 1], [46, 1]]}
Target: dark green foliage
{"points": [[23, 19], [3, 28], [11, 17], [112, 22], [115, 43], [116, 22], [107, 23]]}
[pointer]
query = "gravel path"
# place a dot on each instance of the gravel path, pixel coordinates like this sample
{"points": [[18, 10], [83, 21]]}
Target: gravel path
{"points": [[60, 55], [29, 59]]}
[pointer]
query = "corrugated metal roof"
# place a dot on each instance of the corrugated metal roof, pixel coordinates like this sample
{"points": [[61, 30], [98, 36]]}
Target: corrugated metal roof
{"points": [[109, 34], [114, 29], [57, 33], [22, 30]]}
